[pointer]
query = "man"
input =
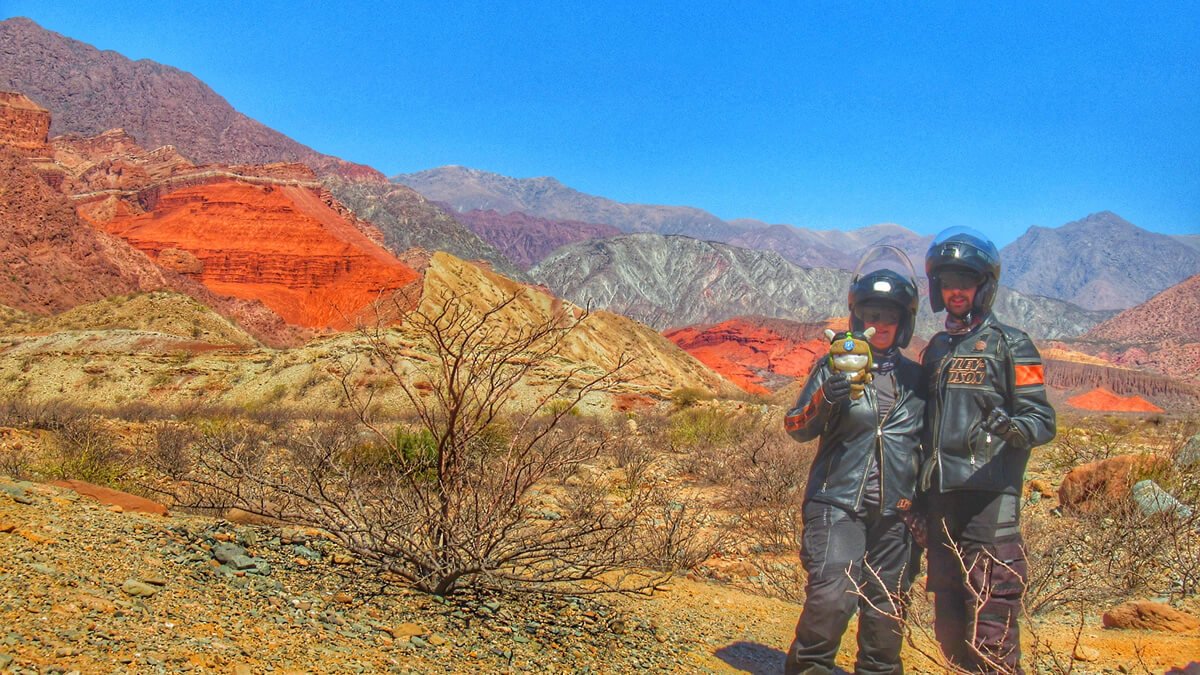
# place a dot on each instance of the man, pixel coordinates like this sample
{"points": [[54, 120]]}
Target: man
{"points": [[987, 410], [856, 547]]}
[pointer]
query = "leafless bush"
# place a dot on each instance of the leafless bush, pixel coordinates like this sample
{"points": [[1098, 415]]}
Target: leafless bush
{"points": [[480, 491], [1079, 445], [87, 450], [683, 531]]}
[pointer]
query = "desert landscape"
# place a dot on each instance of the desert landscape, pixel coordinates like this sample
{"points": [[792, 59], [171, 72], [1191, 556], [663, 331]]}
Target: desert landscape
{"points": [[263, 409]]}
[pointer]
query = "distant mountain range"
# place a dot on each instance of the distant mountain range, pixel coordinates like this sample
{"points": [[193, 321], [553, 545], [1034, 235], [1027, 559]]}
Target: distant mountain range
{"points": [[1099, 262], [672, 281], [467, 189], [526, 239]]}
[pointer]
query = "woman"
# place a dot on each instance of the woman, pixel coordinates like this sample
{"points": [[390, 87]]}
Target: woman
{"points": [[856, 546]]}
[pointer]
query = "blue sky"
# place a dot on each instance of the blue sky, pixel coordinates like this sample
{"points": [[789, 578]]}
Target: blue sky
{"points": [[825, 115]]}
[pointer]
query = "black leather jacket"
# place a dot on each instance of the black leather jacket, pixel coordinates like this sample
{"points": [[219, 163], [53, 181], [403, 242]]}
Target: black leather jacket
{"points": [[850, 432], [992, 365]]}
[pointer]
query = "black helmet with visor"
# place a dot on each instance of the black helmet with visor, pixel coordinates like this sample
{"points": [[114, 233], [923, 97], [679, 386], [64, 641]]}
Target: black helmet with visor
{"points": [[885, 293], [963, 249]]}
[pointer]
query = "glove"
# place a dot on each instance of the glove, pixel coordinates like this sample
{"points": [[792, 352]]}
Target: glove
{"points": [[997, 422], [917, 527], [836, 388]]}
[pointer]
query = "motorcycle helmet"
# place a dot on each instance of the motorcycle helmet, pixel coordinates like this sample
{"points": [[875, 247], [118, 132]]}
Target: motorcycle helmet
{"points": [[963, 248], [885, 285]]}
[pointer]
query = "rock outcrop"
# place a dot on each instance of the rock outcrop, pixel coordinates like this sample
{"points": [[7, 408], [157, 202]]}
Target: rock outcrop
{"points": [[1102, 485], [24, 125], [1146, 615], [281, 245]]}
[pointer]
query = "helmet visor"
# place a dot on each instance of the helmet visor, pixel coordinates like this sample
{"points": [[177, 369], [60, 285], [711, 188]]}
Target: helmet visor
{"points": [[877, 313]]}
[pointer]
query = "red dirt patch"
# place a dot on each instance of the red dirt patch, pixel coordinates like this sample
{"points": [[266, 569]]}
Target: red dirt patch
{"points": [[112, 497], [1104, 400]]}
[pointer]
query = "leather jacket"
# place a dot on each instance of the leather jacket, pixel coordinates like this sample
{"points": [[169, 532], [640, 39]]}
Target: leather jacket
{"points": [[993, 365], [850, 432]]}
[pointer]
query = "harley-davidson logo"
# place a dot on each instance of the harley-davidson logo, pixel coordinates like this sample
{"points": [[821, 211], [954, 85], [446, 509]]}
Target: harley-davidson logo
{"points": [[967, 370]]}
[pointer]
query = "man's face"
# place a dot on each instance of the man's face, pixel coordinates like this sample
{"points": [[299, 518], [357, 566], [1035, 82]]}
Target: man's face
{"points": [[884, 318], [958, 290]]}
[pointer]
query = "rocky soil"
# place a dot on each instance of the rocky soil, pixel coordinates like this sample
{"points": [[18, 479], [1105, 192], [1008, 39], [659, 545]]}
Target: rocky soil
{"points": [[95, 588]]}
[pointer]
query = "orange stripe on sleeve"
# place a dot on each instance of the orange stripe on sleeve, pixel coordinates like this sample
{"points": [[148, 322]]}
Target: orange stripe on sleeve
{"points": [[1028, 376]]}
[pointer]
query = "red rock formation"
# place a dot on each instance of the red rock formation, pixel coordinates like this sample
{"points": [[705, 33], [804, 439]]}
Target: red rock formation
{"points": [[1104, 400], [1074, 376], [754, 353], [1101, 485], [24, 125], [281, 244], [48, 260]]}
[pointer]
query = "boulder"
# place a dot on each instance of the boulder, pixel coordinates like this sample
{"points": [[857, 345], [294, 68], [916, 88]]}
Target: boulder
{"points": [[1189, 454], [1098, 485], [1152, 499], [1146, 615], [111, 497]]}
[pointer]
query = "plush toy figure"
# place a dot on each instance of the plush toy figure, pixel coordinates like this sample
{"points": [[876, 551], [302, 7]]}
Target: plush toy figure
{"points": [[850, 353]]}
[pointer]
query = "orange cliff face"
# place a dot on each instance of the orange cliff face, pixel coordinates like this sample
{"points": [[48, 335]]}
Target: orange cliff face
{"points": [[280, 244], [755, 354]]}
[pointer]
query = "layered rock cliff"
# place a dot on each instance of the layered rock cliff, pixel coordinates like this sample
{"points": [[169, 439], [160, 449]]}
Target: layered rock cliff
{"points": [[759, 355], [24, 125]]}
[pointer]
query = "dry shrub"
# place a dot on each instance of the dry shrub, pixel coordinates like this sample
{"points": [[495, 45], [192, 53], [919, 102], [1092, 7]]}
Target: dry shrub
{"points": [[478, 491]]}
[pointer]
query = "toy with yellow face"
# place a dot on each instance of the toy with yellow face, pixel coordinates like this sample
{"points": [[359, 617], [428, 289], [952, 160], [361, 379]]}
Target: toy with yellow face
{"points": [[850, 353]]}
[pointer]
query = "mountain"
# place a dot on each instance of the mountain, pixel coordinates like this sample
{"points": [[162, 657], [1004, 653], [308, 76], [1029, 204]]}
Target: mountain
{"points": [[1191, 240], [1161, 334], [527, 239], [1099, 262], [91, 92], [668, 280], [467, 189], [831, 248], [675, 281], [409, 220], [50, 261]]}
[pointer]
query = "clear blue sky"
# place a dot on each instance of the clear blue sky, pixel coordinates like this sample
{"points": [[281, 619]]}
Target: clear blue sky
{"points": [[841, 114]]}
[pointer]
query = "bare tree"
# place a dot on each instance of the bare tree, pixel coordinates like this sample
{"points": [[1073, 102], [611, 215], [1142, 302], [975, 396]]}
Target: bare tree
{"points": [[483, 488]]}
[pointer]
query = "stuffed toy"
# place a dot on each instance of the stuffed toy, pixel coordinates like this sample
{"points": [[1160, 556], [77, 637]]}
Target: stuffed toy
{"points": [[850, 353]]}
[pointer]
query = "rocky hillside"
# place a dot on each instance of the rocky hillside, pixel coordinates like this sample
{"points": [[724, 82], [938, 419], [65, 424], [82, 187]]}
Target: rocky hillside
{"points": [[831, 248], [1161, 334], [1099, 262], [1192, 240], [667, 281], [527, 239], [163, 351], [50, 261], [92, 91], [468, 189], [409, 220]]}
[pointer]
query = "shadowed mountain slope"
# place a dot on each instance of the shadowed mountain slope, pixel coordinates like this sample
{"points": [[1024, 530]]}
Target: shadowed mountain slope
{"points": [[526, 239], [1100, 262]]}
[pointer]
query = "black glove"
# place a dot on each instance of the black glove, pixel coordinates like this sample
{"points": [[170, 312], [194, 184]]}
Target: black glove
{"points": [[996, 421], [836, 388]]}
